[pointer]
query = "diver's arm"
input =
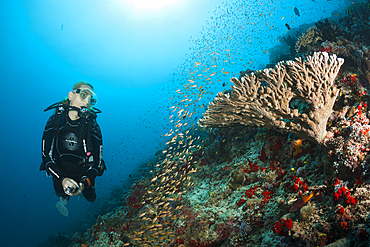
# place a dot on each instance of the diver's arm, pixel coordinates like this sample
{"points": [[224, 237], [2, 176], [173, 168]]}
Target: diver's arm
{"points": [[97, 146], [47, 150], [97, 143]]}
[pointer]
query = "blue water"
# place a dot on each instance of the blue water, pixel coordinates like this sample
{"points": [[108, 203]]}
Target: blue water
{"points": [[135, 58]]}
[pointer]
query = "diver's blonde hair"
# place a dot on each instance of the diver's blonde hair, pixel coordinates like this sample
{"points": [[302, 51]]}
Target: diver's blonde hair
{"points": [[82, 83], [77, 85]]}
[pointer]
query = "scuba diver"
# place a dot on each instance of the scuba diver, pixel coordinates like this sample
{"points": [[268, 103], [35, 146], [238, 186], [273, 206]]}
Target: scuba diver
{"points": [[72, 146]]}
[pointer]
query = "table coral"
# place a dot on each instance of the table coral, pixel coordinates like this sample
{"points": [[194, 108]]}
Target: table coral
{"points": [[251, 103]]}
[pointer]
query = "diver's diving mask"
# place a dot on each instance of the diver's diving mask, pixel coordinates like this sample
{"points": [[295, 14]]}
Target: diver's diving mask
{"points": [[87, 93]]}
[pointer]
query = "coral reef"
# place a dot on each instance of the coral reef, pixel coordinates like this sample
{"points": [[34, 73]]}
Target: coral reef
{"points": [[253, 186]]}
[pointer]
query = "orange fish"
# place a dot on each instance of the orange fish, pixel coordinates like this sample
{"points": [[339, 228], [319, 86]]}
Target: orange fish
{"points": [[300, 202]]}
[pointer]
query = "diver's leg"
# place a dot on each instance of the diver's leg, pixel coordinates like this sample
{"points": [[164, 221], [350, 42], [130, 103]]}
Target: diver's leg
{"points": [[59, 189], [89, 194], [61, 205]]}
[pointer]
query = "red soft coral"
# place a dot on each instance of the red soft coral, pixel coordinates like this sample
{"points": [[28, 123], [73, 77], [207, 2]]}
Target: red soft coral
{"points": [[282, 227], [351, 200], [250, 192], [336, 196]]}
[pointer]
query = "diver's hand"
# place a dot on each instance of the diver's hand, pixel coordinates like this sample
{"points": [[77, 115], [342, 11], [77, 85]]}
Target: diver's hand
{"points": [[69, 182], [80, 189]]}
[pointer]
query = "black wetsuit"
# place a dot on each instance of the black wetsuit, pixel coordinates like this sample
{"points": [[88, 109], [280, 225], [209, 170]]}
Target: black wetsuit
{"points": [[63, 155]]}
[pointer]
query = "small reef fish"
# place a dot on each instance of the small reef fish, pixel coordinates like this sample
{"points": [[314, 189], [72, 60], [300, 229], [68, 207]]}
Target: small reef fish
{"points": [[300, 202], [287, 26], [296, 11]]}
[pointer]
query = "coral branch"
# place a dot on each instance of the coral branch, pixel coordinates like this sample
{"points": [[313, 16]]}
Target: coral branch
{"points": [[264, 98]]}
